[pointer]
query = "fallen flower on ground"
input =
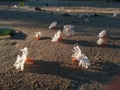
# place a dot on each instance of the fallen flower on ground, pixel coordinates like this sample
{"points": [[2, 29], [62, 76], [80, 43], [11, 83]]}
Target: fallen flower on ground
{"points": [[37, 35], [68, 30], [57, 36], [53, 25], [81, 58], [102, 38], [19, 63], [102, 41], [103, 34]]}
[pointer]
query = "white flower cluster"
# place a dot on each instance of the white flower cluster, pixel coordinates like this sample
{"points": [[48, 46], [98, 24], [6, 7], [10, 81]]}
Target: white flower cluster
{"points": [[102, 38], [56, 36], [37, 35], [81, 58], [19, 63], [68, 30], [53, 25]]}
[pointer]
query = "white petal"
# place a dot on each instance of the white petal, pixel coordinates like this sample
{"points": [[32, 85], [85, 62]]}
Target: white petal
{"points": [[102, 33]]}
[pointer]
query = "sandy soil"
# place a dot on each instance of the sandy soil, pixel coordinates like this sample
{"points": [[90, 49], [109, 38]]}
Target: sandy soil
{"points": [[53, 69]]}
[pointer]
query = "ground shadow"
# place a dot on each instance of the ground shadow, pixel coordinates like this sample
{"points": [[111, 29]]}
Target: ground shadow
{"points": [[102, 72], [42, 17], [114, 33], [80, 42], [45, 38], [20, 35], [114, 38], [67, 41], [112, 46], [88, 43], [108, 69]]}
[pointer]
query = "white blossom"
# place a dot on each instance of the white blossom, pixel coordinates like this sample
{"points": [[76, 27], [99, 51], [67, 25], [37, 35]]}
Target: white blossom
{"points": [[53, 25], [114, 14], [83, 60], [102, 34], [58, 9], [68, 10], [68, 30], [38, 35], [19, 63], [15, 6], [56, 36], [101, 41]]}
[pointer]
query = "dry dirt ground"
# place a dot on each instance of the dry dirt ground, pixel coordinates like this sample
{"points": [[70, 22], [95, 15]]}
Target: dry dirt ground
{"points": [[53, 69]]}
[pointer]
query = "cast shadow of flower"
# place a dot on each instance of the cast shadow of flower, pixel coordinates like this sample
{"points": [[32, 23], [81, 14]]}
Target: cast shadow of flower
{"points": [[45, 38], [20, 36], [105, 71], [88, 43], [81, 42], [114, 38], [113, 46]]}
